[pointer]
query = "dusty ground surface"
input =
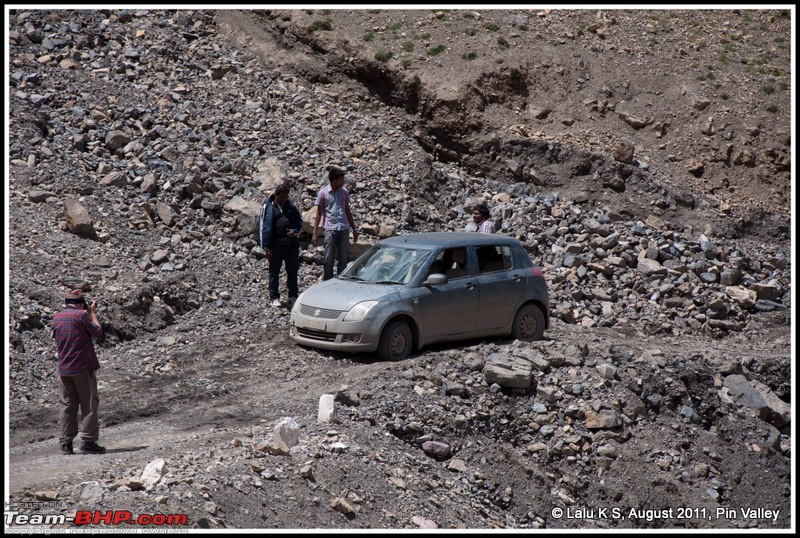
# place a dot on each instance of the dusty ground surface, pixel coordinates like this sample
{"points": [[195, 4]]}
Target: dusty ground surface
{"points": [[655, 390]]}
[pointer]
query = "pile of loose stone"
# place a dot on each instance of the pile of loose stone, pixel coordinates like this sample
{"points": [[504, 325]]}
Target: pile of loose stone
{"points": [[146, 144]]}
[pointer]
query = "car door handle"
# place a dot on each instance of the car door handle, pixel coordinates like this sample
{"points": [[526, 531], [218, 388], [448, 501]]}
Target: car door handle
{"points": [[516, 277], [470, 285]]}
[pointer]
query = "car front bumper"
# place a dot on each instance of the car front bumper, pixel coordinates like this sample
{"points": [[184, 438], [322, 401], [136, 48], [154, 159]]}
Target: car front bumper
{"points": [[334, 334]]}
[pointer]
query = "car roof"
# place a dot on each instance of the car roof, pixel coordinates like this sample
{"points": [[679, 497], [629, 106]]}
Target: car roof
{"points": [[448, 239]]}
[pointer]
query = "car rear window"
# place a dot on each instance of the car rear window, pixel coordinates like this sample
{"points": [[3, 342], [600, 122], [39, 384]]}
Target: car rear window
{"points": [[494, 258]]}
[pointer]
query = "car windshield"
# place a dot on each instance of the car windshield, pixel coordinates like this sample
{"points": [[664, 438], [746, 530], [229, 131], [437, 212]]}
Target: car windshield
{"points": [[386, 265]]}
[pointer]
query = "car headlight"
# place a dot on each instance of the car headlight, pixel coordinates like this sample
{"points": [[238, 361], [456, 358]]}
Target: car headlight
{"points": [[359, 311]]}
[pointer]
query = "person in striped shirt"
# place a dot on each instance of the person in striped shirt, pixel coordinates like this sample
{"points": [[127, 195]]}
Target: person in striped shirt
{"points": [[481, 222], [333, 209], [74, 328]]}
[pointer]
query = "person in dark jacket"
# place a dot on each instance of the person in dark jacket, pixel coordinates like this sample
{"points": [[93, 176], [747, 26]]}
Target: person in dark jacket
{"points": [[279, 236]]}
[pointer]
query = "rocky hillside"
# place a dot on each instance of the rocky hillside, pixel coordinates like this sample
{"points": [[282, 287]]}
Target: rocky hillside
{"points": [[702, 103], [643, 158]]}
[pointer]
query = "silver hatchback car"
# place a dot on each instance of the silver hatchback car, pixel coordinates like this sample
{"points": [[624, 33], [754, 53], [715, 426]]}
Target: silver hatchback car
{"points": [[410, 291]]}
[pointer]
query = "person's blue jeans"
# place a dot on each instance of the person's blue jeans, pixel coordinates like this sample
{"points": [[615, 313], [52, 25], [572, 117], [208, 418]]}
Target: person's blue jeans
{"points": [[336, 249], [290, 256]]}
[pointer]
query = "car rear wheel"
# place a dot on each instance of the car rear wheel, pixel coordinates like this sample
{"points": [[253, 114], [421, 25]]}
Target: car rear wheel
{"points": [[396, 341], [528, 324]]}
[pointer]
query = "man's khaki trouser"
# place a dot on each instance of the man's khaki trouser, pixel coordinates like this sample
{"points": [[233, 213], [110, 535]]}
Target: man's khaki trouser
{"points": [[79, 391]]}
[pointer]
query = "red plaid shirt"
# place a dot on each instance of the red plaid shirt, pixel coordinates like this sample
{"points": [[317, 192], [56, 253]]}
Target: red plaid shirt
{"points": [[73, 330]]}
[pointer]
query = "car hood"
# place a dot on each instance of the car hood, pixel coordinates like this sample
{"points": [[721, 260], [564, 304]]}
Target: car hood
{"points": [[338, 294]]}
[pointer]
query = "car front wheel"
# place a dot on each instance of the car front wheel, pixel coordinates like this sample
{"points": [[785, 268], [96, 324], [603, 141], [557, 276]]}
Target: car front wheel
{"points": [[528, 324], [396, 341]]}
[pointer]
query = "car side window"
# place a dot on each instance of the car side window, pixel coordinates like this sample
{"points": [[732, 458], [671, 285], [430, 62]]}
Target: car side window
{"points": [[494, 258], [450, 262]]}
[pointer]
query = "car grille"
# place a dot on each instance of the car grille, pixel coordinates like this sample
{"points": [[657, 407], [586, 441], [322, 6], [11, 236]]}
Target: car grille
{"points": [[321, 313], [312, 334]]}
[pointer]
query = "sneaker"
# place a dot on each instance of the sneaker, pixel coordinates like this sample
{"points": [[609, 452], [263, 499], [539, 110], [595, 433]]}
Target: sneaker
{"points": [[66, 449], [90, 447], [276, 303]]}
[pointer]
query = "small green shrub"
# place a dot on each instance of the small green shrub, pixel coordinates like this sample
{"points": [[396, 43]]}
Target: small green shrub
{"points": [[469, 55], [383, 55], [785, 14], [492, 27], [438, 49], [426, 35], [369, 36], [470, 31], [321, 25], [784, 86], [326, 12], [395, 26], [723, 96], [769, 89], [772, 108], [408, 46]]}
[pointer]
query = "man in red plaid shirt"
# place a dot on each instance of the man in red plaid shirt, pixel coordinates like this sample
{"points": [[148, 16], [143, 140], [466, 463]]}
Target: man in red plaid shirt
{"points": [[73, 329]]}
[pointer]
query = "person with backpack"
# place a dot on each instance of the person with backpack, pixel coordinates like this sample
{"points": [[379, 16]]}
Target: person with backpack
{"points": [[279, 236], [333, 208]]}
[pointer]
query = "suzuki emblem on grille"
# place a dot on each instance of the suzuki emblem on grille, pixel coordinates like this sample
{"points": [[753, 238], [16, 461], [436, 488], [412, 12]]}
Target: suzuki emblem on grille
{"points": [[317, 312]]}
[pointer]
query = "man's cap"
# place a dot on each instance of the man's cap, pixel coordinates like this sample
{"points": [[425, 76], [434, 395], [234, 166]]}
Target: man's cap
{"points": [[74, 297]]}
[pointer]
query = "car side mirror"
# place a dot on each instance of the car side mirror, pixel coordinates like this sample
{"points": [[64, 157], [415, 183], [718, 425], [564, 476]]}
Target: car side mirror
{"points": [[436, 279]]}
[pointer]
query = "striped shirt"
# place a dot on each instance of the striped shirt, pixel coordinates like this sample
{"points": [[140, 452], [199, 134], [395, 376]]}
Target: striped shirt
{"points": [[485, 227], [73, 330]]}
